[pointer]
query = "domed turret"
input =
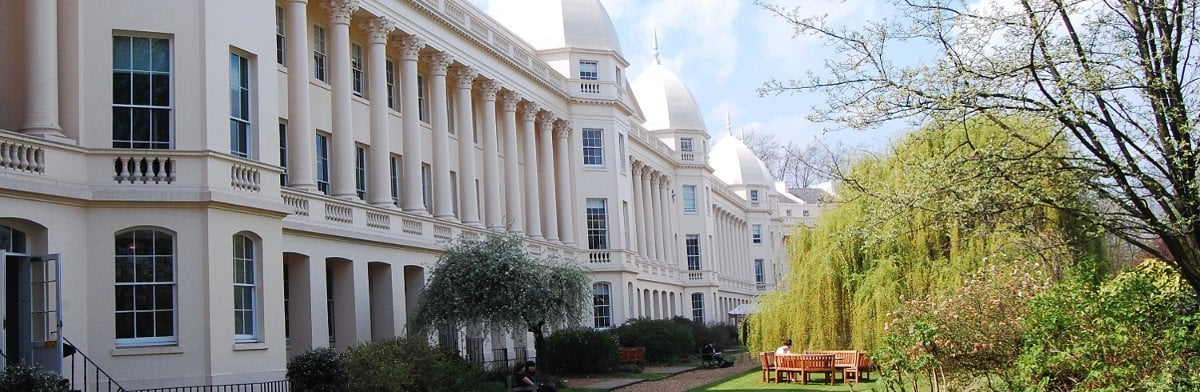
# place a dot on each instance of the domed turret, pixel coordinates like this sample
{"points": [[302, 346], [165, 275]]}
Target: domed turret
{"points": [[582, 24], [666, 102], [734, 163]]}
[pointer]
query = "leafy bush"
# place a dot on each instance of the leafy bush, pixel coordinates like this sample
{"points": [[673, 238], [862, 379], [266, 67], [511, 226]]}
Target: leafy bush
{"points": [[318, 370], [1138, 331], [581, 351], [407, 364], [977, 330], [666, 341], [724, 335], [26, 377]]}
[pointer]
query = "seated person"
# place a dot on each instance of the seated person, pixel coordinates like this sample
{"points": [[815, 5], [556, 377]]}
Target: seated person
{"points": [[785, 349], [527, 376], [711, 351]]}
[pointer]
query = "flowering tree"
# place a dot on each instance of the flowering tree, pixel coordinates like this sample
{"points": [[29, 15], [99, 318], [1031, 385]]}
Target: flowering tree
{"points": [[1116, 77], [493, 283]]}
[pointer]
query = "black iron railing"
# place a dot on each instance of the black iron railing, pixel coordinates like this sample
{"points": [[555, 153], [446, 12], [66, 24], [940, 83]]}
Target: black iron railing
{"points": [[82, 374], [270, 386]]}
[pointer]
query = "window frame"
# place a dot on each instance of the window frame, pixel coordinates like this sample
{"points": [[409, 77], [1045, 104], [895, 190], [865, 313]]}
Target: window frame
{"points": [[241, 124], [760, 276], [155, 110], [698, 307], [389, 66], [692, 242], [280, 36], [689, 203], [756, 235], [360, 171], [596, 219], [358, 75], [283, 153], [687, 144], [602, 317], [593, 147], [320, 51], [321, 149], [171, 285], [593, 73], [422, 98], [251, 287]]}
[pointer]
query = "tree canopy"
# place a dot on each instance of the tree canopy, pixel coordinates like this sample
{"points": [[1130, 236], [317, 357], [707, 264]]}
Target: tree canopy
{"points": [[495, 284], [1115, 77], [916, 222]]}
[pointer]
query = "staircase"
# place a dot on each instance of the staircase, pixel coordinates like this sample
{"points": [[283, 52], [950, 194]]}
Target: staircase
{"points": [[83, 375]]}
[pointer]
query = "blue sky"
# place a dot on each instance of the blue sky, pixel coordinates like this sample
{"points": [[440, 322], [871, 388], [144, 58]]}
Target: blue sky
{"points": [[725, 49]]}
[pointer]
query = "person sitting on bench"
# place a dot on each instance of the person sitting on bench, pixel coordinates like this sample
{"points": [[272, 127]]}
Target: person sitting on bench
{"points": [[711, 352]]}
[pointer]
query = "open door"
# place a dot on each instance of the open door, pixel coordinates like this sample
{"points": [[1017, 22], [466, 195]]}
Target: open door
{"points": [[32, 320], [45, 320]]}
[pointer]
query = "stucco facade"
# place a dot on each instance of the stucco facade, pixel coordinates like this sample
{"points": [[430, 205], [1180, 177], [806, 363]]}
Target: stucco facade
{"points": [[227, 183]]}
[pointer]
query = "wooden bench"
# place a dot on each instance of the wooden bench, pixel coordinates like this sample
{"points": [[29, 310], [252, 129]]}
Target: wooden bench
{"points": [[805, 364], [767, 361], [634, 355], [851, 363]]}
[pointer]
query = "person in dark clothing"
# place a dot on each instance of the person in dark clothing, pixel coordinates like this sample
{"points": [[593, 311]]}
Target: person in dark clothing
{"points": [[528, 376], [711, 351]]}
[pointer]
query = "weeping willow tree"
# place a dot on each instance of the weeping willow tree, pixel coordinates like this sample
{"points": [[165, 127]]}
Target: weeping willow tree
{"points": [[913, 222]]}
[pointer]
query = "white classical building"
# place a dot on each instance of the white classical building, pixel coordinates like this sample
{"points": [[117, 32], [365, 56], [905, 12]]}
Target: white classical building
{"points": [[200, 190]]}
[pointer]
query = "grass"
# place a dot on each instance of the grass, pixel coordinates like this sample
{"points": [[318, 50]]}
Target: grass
{"points": [[752, 381]]}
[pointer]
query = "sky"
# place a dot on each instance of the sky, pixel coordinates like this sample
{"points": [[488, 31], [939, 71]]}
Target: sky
{"points": [[725, 49]]}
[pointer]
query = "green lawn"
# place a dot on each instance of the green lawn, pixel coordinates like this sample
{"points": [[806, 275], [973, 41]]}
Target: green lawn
{"points": [[752, 381]]}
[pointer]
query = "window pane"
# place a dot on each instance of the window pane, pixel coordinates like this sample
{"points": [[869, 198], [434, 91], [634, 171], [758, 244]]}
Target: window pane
{"points": [[122, 47], [124, 298], [163, 270], [145, 269], [122, 85], [143, 297], [141, 89], [165, 323], [141, 54], [162, 56], [124, 325], [160, 90], [125, 268]]}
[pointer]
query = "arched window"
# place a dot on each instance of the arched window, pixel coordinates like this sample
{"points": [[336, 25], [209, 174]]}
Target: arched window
{"points": [[698, 307], [245, 289], [602, 305], [145, 287]]}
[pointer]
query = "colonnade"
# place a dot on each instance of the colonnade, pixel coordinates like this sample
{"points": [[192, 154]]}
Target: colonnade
{"points": [[731, 242], [653, 213], [538, 206]]}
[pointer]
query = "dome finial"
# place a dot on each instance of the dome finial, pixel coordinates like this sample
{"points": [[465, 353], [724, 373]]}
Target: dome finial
{"points": [[728, 126], [654, 31]]}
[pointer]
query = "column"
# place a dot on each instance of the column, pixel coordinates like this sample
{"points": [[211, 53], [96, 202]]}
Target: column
{"points": [[491, 157], [41, 69], [566, 202], [639, 222], [533, 219], [300, 139], [663, 195], [647, 214], [467, 198], [410, 51], [655, 196], [443, 204], [342, 154], [546, 162], [513, 215], [380, 182]]}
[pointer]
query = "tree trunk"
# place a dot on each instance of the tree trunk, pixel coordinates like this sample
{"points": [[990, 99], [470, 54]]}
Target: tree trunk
{"points": [[539, 344]]}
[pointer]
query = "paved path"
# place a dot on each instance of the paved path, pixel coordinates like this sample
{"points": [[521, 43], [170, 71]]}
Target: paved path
{"points": [[691, 379]]}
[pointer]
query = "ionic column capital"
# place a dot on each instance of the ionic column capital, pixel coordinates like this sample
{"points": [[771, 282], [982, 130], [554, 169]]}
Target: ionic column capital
{"points": [[529, 111], [440, 62], [509, 101], [340, 10], [409, 47], [488, 89], [464, 77], [378, 29]]}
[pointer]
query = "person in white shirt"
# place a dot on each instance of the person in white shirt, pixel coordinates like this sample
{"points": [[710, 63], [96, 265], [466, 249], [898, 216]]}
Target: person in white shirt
{"points": [[786, 348]]}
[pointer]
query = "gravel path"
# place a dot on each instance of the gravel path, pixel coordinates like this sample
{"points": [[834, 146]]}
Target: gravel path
{"points": [[692, 379]]}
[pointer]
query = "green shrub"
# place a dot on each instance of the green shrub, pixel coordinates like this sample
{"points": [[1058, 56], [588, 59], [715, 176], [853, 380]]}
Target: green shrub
{"points": [[318, 370], [666, 341], [408, 364], [1136, 331], [25, 377], [581, 351], [723, 335]]}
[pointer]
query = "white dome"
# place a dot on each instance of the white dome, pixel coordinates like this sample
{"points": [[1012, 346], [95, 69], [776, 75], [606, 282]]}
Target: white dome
{"points": [[666, 101], [550, 24], [735, 164]]}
